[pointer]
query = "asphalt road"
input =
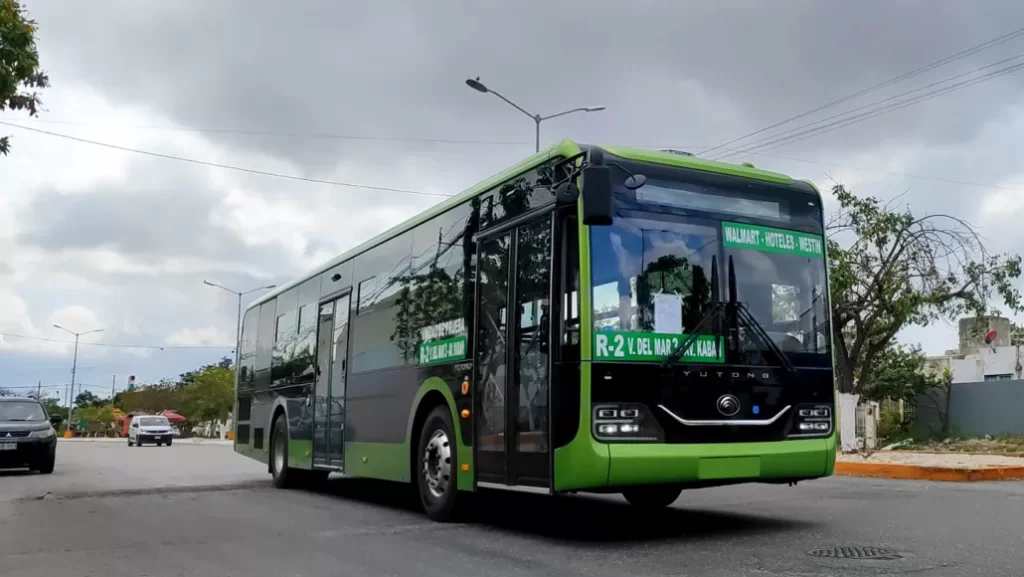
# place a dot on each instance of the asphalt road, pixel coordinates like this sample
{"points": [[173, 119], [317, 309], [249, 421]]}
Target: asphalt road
{"points": [[367, 529], [92, 467]]}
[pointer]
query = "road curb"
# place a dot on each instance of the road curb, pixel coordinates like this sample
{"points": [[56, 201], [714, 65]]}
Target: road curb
{"points": [[986, 453], [914, 472]]}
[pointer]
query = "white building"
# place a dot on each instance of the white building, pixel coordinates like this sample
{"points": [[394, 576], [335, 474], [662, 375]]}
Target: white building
{"points": [[977, 360], [988, 364]]}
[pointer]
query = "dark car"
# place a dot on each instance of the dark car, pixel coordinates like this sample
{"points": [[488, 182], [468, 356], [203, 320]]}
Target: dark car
{"points": [[27, 438]]}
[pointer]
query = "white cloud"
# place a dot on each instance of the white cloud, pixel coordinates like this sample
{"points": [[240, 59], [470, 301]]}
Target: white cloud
{"points": [[201, 337]]}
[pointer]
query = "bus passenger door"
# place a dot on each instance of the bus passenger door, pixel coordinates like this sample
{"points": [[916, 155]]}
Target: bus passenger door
{"points": [[331, 370], [511, 357], [321, 397], [339, 373]]}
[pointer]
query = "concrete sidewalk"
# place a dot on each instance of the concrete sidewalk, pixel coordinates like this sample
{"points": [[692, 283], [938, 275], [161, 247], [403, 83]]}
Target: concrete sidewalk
{"points": [[960, 467]]}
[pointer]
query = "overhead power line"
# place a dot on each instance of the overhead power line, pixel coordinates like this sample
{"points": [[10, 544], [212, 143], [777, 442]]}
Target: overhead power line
{"points": [[915, 72], [52, 386], [828, 164], [217, 165], [309, 135], [814, 128], [115, 345], [736, 150], [876, 104]]}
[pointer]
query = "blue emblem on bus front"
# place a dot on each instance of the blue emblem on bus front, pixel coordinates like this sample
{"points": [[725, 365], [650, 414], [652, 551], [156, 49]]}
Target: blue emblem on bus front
{"points": [[756, 409]]}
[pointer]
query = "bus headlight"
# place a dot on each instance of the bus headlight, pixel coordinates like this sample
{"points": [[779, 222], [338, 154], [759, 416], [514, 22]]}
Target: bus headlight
{"points": [[626, 422], [811, 421]]}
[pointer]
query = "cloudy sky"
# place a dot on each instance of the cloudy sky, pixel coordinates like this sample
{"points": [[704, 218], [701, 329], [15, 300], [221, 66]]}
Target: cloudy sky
{"points": [[372, 93]]}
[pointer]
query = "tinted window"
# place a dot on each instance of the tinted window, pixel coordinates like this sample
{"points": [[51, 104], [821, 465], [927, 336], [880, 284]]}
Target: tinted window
{"points": [[529, 191], [285, 335], [382, 270], [21, 411], [439, 289], [302, 361], [154, 422], [247, 348], [265, 343]]}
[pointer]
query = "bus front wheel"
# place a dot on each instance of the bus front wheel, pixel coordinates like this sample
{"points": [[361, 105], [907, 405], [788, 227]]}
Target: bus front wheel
{"points": [[653, 496], [435, 465]]}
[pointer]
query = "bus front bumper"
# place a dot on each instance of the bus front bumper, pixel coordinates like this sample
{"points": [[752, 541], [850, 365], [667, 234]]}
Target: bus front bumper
{"points": [[638, 464]]}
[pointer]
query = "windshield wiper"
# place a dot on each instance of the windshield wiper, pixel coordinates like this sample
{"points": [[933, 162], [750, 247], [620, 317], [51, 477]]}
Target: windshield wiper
{"points": [[732, 311]]}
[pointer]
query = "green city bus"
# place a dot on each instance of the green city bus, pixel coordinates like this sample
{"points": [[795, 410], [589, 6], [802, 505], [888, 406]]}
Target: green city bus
{"points": [[594, 319]]}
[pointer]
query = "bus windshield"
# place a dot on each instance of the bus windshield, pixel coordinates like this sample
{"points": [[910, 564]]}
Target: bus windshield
{"points": [[667, 259]]}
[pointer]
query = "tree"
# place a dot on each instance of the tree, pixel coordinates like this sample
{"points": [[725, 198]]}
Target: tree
{"points": [[54, 408], [902, 270], [87, 399], [189, 377], [20, 74], [939, 397], [211, 396], [165, 395], [902, 373]]}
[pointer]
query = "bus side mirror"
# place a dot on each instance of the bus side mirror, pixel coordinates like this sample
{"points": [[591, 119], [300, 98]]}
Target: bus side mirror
{"points": [[597, 196]]}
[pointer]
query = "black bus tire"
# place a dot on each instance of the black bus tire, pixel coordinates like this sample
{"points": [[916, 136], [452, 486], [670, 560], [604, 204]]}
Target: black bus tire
{"points": [[652, 497], [435, 465], [279, 470]]}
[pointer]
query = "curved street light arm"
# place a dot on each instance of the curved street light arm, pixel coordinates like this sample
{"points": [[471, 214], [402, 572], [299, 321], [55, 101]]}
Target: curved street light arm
{"points": [[516, 106]]}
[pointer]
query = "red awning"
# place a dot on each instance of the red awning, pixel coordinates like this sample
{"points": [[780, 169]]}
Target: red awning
{"points": [[172, 416]]}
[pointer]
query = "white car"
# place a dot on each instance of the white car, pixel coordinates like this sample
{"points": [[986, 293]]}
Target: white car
{"points": [[149, 429]]}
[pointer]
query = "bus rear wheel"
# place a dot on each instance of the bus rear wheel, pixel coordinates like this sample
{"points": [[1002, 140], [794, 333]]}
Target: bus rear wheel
{"points": [[279, 470], [434, 465], [652, 497]]}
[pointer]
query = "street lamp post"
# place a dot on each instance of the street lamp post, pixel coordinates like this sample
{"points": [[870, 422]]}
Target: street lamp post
{"points": [[74, 368], [238, 313], [475, 84]]}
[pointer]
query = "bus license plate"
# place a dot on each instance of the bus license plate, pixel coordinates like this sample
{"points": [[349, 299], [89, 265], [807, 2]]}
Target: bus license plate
{"points": [[8, 446]]}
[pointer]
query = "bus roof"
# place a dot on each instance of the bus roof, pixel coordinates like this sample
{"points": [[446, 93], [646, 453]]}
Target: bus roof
{"points": [[695, 163], [564, 148]]}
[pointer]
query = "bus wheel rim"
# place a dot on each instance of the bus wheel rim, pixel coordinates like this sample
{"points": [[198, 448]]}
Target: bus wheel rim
{"points": [[279, 448], [437, 463]]}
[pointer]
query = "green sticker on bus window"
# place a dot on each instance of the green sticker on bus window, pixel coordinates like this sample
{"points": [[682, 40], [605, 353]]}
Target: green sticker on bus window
{"points": [[767, 239], [443, 351], [639, 346]]}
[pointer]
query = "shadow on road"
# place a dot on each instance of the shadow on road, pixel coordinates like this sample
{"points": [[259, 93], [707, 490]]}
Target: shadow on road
{"points": [[577, 519], [16, 472]]}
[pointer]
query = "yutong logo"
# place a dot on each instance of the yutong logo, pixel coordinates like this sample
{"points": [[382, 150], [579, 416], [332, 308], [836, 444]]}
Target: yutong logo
{"points": [[728, 405], [764, 376]]}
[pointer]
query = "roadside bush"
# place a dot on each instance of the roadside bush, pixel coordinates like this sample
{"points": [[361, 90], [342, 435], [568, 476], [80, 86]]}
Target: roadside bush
{"points": [[893, 428]]}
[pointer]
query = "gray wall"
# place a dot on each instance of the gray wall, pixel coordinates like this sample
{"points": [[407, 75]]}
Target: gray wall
{"points": [[979, 408]]}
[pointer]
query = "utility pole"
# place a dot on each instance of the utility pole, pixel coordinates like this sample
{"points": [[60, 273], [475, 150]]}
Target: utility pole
{"points": [[113, 386], [74, 368], [39, 391], [238, 313]]}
